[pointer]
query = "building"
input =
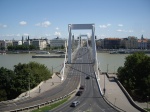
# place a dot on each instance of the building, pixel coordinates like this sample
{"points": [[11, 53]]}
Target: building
{"points": [[148, 43], [130, 42], [4, 44], [57, 42], [39, 43], [17, 42], [99, 43], [111, 43], [142, 43], [27, 43]]}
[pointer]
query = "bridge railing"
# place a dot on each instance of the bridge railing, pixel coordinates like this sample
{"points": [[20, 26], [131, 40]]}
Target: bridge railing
{"points": [[62, 72], [97, 73]]}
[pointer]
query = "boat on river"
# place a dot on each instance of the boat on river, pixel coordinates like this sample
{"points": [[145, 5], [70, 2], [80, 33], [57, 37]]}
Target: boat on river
{"points": [[42, 52]]}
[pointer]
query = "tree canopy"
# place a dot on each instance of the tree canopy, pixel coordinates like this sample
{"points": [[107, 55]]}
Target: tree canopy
{"points": [[22, 47], [13, 83], [135, 75]]}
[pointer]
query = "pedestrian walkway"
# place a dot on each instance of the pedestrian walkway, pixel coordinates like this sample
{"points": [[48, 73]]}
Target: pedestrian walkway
{"points": [[114, 94], [46, 85]]}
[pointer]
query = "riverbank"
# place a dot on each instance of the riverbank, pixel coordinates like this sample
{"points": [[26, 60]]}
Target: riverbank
{"points": [[122, 51], [49, 56]]}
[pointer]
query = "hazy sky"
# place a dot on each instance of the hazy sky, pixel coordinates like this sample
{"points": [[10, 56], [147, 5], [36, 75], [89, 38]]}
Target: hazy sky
{"points": [[50, 18]]}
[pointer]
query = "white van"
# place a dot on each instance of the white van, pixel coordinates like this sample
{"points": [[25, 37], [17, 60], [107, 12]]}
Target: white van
{"points": [[75, 103]]}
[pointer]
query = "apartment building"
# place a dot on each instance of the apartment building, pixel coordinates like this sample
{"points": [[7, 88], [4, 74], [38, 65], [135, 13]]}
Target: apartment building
{"points": [[57, 42], [111, 43], [5, 43]]}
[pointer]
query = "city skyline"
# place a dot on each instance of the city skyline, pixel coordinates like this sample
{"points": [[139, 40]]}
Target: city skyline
{"points": [[50, 18]]}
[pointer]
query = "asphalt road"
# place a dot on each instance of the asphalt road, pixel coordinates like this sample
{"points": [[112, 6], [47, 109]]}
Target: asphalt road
{"points": [[91, 99]]}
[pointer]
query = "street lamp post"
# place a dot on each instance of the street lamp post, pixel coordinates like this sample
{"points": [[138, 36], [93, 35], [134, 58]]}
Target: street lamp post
{"points": [[52, 70], [107, 68], [104, 81], [29, 84], [147, 101]]}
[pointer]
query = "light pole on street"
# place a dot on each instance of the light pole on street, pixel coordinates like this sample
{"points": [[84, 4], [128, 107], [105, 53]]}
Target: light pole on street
{"points": [[29, 84], [52, 70], [147, 101], [104, 90], [107, 68]]}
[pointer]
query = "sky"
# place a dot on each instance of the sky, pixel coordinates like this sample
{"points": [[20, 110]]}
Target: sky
{"points": [[50, 18]]}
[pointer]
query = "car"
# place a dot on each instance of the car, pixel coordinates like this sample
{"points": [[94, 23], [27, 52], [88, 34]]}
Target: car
{"points": [[79, 93], [75, 103], [81, 87], [87, 77]]}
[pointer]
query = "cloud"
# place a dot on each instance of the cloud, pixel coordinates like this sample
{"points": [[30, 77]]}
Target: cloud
{"points": [[26, 34], [47, 35], [130, 31], [108, 24], [88, 34], [102, 35], [3, 26], [120, 25], [22, 23], [18, 35], [142, 31], [119, 30], [44, 24], [57, 28], [104, 26], [57, 33]]}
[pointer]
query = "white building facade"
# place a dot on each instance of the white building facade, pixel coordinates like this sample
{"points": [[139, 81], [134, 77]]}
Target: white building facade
{"points": [[5, 43], [40, 44], [57, 42]]}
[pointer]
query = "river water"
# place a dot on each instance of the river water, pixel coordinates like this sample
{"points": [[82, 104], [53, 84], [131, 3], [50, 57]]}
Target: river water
{"points": [[113, 61]]}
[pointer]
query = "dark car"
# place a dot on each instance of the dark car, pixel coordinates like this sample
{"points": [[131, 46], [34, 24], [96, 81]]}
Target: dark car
{"points": [[75, 103], [87, 77], [79, 93], [81, 87]]}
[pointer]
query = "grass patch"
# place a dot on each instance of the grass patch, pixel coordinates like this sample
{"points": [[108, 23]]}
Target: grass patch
{"points": [[51, 106], [147, 109]]}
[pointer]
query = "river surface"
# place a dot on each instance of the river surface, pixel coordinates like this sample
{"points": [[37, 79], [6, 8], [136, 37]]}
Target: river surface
{"points": [[113, 61]]}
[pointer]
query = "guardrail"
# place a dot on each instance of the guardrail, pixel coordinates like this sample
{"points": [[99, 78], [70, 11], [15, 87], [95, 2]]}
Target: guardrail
{"points": [[42, 104]]}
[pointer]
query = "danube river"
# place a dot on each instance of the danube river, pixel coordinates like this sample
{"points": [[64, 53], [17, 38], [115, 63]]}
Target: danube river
{"points": [[112, 60]]}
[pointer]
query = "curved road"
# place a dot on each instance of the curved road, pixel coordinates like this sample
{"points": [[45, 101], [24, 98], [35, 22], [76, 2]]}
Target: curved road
{"points": [[71, 83]]}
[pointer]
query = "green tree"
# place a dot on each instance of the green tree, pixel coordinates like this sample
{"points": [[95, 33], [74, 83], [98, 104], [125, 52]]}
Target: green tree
{"points": [[13, 83], [135, 75], [33, 72], [6, 83]]}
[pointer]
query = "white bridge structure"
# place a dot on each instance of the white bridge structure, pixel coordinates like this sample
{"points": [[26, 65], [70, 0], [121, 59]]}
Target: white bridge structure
{"points": [[81, 27], [69, 44]]}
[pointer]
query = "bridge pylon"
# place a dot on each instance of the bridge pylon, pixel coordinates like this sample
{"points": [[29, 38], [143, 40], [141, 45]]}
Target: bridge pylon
{"points": [[81, 27]]}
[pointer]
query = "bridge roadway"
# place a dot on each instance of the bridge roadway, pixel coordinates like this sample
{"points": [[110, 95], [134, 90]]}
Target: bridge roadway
{"points": [[91, 99]]}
